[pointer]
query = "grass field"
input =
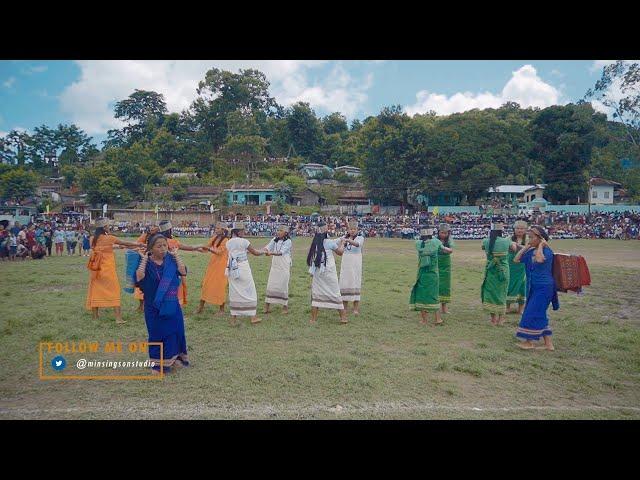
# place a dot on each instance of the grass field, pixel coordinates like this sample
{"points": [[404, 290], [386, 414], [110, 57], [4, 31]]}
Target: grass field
{"points": [[383, 364]]}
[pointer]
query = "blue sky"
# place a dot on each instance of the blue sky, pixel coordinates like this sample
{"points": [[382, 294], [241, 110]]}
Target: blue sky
{"points": [[33, 93]]}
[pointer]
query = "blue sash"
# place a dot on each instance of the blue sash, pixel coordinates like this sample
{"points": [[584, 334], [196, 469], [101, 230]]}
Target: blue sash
{"points": [[166, 299]]}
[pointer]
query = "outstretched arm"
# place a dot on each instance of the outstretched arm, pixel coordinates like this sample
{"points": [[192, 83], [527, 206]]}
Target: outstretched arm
{"points": [[124, 243], [255, 252]]}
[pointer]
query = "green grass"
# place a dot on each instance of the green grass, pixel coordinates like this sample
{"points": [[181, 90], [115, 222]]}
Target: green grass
{"points": [[383, 364]]}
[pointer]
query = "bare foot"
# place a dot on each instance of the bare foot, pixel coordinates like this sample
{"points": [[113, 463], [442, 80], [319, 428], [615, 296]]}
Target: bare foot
{"points": [[218, 313], [441, 322], [344, 321], [266, 312], [199, 311], [312, 321], [356, 312], [544, 347], [423, 322], [285, 311], [256, 320], [526, 345], [120, 322]]}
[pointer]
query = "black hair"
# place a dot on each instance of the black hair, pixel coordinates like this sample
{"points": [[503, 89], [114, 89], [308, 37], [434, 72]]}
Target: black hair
{"points": [[151, 240], [424, 238], [168, 233], [492, 239], [541, 231], [234, 231], [96, 233], [317, 254], [446, 242]]}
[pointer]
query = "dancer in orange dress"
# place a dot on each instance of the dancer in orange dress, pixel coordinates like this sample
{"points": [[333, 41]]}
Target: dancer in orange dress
{"points": [[214, 283], [104, 287], [137, 293], [165, 229]]}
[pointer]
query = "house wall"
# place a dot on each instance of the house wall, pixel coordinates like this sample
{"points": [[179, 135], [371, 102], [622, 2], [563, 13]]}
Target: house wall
{"points": [[601, 194], [242, 198]]}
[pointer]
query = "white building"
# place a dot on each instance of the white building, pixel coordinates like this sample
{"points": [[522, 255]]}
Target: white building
{"points": [[521, 193], [601, 191], [349, 170]]}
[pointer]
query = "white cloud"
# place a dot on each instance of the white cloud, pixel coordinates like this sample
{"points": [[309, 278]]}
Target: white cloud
{"points": [[31, 69], [524, 87], [613, 93], [9, 82], [89, 100]]}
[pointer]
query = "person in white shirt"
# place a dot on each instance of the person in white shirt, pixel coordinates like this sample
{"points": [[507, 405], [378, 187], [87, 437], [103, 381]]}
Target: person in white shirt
{"points": [[325, 290], [278, 284], [243, 298], [351, 268]]}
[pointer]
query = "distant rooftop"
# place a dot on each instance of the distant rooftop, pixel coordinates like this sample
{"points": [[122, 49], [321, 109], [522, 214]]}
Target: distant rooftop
{"points": [[515, 188]]}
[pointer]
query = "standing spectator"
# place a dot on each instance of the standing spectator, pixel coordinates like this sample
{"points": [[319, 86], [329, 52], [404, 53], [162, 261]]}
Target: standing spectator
{"points": [[71, 238], [58, 238]]}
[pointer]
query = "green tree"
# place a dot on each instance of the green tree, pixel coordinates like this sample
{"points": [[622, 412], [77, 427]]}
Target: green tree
{"points": [[221, 93], [335, 123], [564, 138], [18, 184], [305, 130]]}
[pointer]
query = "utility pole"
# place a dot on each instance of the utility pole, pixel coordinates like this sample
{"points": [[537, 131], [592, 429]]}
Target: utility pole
{"points": [[589, 199]]}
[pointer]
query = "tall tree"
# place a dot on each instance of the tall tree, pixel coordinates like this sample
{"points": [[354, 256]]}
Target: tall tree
{"points": [[222, 92], [564, 138], [619, 89]]}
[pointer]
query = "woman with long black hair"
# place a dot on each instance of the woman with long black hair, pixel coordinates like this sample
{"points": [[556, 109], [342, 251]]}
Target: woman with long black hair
{"points": [[496, 274], [104, 287], [425, 292], [325, 289]]}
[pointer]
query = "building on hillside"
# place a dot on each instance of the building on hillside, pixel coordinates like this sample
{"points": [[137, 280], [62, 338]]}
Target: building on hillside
{"points": [[311, 170], [187, 175], [519, 193], [601, 191], [45, 189], [621, 196], [349, 170], [250, 194], [354, 197], [308, 197]]}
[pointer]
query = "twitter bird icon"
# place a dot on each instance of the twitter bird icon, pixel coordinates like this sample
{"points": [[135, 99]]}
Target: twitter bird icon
{"points": [[59, 363]]}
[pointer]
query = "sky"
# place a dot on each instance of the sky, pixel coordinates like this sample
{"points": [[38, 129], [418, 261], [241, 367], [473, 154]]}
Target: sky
{"points": [[83, 92]]}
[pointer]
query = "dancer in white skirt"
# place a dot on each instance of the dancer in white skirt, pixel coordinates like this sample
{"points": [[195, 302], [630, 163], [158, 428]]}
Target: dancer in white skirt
{"points": [[278, 284], [325, 291], [243, 298], [351, 268]]}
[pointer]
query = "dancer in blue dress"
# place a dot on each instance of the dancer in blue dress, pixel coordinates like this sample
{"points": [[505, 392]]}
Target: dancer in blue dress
{"points": [[158, 276], [537, 258]]}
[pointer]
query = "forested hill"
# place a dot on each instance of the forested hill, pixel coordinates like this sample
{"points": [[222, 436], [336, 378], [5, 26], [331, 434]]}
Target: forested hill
{"points": [[234, 116]]}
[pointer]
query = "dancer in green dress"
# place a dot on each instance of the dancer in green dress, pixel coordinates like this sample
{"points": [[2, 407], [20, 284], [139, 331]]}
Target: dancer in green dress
{"points": [[424, 295], [496, 274], [444, 267], [517, 276]]}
